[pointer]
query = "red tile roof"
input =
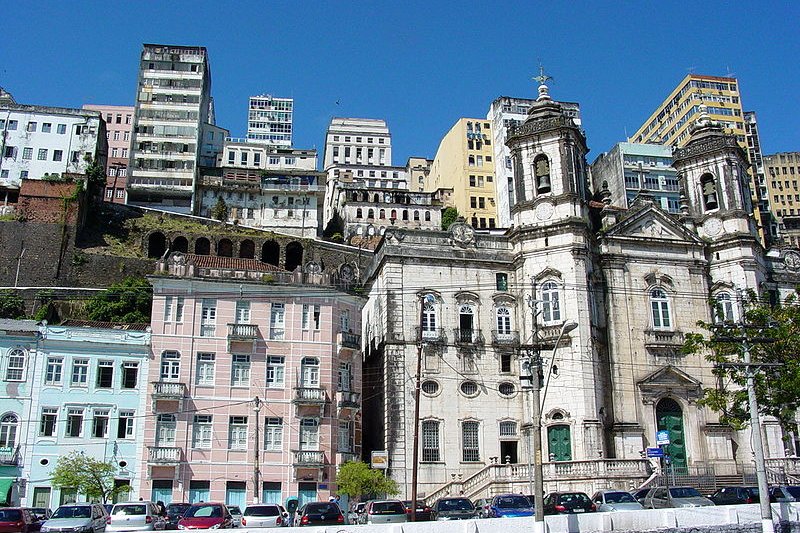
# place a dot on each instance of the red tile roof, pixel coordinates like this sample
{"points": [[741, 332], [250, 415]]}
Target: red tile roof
{"points": [[104, 325], [231, 263]]}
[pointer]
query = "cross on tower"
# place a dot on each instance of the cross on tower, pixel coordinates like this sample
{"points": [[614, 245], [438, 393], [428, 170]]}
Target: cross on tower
{"points": [[542, 77]]}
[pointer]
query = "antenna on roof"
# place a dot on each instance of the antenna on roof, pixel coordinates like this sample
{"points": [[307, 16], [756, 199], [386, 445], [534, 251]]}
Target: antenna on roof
{"points": [[730, 74], [690, 70]]}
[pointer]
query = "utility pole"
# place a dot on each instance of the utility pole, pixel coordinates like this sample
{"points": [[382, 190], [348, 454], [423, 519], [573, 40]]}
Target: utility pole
{"points": [[257, 465], [415, 454], [536, 415]]}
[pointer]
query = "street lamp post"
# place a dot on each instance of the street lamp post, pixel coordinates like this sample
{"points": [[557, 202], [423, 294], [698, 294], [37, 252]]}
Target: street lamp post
{"points": [[257, 465], [415, 453], [536, 415]]}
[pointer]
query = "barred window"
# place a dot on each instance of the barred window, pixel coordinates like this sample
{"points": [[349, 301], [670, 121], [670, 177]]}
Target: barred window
{"points": [[469, 438], [430, 440], [508, 429]]}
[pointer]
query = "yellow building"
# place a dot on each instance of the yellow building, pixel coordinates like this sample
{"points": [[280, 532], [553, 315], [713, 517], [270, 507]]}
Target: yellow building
{"points": [[669, 123], [464, 163], [783, 183]]}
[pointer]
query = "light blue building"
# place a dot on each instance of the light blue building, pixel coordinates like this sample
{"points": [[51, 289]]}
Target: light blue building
{"points": [[90, 389], [19, 340]]}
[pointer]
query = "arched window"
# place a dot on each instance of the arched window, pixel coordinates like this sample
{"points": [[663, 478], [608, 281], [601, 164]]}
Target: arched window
{"points": [[359, 213], [416, 216], [503, 318], [551, 308], [708, 186], [541, 170], [427, 216], [370, 214], [659, 303], [15, 367], [466, 325], [8, 431], [405, 214], [429, 320], [393, 215], [382, 214], [376, 199], [508, 428], [723, 311]]}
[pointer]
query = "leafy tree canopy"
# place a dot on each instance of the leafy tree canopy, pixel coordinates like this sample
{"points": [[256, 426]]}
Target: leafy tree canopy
{"points": [[220, 210], [449, 215], [11, 305], [774, 337], [88, 475], [127, 301], [357, 480]]}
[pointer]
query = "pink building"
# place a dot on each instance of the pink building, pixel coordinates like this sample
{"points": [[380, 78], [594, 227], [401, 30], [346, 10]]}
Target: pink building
{"points": [[249, 357], [119, 121]]}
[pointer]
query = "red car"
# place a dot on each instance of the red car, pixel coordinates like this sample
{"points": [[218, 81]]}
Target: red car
{"points": [[206, 516], [18, 520]]}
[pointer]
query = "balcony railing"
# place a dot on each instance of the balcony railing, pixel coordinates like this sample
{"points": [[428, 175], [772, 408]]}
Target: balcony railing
{"points": [[505, 338], [349, 399], [163, 455], [10, 456], [430, 335], [168, 390], [350, 340], [309, 395], [467, 337], [242, 332], [663, 339], [309, 458]]}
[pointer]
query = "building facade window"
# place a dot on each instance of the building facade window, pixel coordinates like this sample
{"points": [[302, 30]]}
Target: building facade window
{"points": [[311, 313], [105, 374], [166, 427], [242, 312], [130, 374], [202, 430], [15, 369], [723, 311], [277, 322], [508, 428], [309, 371], [309, 434], [205, 368], [53, 370], [170, 366], [430, 441], [208, 318], [74, 422], [125, 424], [80, 372], [240, 371], [237, 433], [273, 434], [100, 423], [8, 430], [659, 304], [345, 377], [345, 439], [47, 425], [470, 441], [429, 320], [551, 309], [276, 368], [503, 318]]}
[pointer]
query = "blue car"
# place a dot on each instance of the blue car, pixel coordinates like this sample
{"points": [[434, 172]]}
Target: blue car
{"points": [[510, 506]]}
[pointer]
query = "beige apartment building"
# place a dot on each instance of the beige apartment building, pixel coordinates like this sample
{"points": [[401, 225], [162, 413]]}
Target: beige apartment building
{"points": [[783, 174], [464, 162]]}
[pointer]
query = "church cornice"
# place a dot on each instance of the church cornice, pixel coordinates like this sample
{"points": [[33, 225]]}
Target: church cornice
{"points": [[535, 127], [699, 148]]}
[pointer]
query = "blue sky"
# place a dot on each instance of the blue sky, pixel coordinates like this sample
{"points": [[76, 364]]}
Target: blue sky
{"points": [[418, 65]]}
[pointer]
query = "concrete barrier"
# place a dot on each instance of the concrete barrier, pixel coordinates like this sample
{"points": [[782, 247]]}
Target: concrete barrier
{"points": [[731, 518]]}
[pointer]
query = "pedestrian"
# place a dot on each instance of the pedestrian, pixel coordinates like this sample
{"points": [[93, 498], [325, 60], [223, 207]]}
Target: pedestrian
{"points": [[162, 509]]}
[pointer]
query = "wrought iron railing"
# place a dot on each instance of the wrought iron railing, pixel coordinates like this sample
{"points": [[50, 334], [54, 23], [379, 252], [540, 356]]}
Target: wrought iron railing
{"points": [[350, 340]]}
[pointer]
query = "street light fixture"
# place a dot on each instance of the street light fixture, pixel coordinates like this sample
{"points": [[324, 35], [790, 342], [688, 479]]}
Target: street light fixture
{"points": [[538, 400], [427, 298]]}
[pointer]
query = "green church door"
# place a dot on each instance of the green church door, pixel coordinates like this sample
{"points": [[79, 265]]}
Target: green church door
{"points": [[559, 443], [669, 416]]}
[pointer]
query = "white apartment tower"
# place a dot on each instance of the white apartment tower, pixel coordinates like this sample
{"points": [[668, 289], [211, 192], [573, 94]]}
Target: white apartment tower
{"points": [[173, 109], [269, 120], [358, 141]]}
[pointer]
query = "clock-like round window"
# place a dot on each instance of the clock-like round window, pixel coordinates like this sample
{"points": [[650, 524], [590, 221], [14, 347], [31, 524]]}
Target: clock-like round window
{"points": [[469, 388], [430, 387], [506, 388]]}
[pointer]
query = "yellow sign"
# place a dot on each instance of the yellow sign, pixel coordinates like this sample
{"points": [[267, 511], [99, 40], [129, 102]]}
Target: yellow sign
{"points": [[380, 459]]}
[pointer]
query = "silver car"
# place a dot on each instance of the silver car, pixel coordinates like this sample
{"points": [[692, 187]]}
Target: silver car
{"points": [[385, 512], [664, 497], [615, 500], [77, 518], [135, 516], [236, 515], [264, 515]]}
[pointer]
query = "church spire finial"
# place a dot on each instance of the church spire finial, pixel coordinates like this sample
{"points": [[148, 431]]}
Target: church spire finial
{"points": [[542, 79]]}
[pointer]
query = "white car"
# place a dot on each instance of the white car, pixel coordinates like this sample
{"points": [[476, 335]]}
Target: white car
{"points": [[135, 516], [264, 515], [77, 518]]}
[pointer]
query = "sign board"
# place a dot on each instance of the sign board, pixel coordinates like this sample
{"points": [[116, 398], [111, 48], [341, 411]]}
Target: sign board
{"points": [[380, 459], [662, 437], [655, 452]]}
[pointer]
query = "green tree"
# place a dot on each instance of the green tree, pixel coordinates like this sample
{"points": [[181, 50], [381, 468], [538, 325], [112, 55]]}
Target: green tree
{"points": [[220, 210], [127, 301], [356, 479], [88, 476], [774, 331], [449, 215], [95, 175], [11, 305]]}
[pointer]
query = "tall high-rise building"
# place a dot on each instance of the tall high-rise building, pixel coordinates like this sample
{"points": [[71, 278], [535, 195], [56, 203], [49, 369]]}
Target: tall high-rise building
{"points": [[173, 112], [507, 111], [782, 171], [669, 124], [464, 163], [119, 122], [269, 120], [357, 141]]}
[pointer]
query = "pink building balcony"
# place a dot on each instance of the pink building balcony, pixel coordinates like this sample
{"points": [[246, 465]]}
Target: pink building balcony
{"points": [[164, 455], [308, 459]]}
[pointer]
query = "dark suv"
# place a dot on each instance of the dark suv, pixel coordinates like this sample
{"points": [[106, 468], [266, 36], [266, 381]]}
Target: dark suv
{"points": [[735, 495], [174, 513], [319, 514], [568, 503], [453, 509]]}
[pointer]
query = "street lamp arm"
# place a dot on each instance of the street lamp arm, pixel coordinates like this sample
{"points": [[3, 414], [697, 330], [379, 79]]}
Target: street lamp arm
{"points": [[565, 328]]}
